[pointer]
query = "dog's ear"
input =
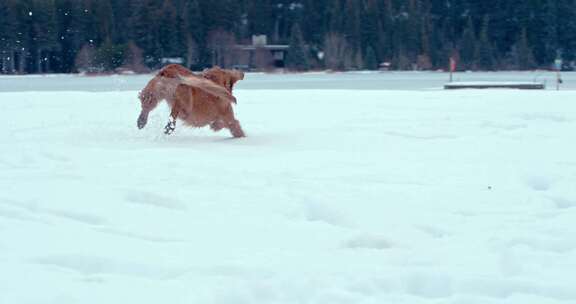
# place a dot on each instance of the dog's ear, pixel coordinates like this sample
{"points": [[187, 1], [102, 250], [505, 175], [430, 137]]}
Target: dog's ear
{"points": [[209, 87], [215, 74], [210, 76]]}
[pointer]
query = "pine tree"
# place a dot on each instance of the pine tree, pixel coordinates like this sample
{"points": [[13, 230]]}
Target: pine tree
{"points": [[525, 58], [371, 34], [89, 24], [297, 58], [145, 32], [370, 61], [405, 35], [386, 20], [121, 14], [336, 48], [221, 45], [566, 27], [23, 42], [168, 31], [7, 37], [427, 52], [225, 14], [544, 27], [412, 40], [133, 59], [260, 17], [106, 29], [468, 45], [335, 18], [110, 56], [70, 35], [352, 27], [195, 34], [484, 51], [43, 33], [502, 28], [85, 60], [352, 24], [312, 15]]}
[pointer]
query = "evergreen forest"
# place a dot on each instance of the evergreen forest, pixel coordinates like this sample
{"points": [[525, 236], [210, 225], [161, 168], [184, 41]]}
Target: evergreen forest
{"points": [[66, 36]]}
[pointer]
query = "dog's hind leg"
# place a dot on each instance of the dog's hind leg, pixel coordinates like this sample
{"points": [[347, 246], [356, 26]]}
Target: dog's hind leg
{"points": [[217, 125], [233, 125], [235, 128]]}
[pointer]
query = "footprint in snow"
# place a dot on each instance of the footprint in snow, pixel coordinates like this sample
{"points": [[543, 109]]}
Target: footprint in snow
{"points": [[539, 182], [562, 202], [93, 265], [368, 242], [155, 200], [434, 232], [37, 210]]}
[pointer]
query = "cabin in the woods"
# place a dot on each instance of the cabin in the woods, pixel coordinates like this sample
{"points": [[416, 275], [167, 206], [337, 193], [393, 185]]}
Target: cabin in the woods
{"points": [[260, 55]]}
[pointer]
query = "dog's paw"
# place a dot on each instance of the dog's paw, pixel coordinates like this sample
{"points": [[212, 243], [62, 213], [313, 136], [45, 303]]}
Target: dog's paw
{"points": [[170, 128]]}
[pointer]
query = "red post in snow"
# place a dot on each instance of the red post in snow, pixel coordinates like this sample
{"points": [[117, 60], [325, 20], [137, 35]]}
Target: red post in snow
{"points": [[452, 67]]}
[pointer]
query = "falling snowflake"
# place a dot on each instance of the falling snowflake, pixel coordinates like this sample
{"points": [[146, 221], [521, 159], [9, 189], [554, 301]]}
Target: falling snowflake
{"points": [[29, 13]]}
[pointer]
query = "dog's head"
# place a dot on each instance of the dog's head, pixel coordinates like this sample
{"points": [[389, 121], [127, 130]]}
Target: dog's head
{"points": [[223, 77]]}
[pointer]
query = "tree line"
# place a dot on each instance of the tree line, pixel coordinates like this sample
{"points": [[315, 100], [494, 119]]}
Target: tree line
{"points": [[63, 36]]}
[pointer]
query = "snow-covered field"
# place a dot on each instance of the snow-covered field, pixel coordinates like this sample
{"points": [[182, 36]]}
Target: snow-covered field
{"points": [[335, 196], [362, 80]]}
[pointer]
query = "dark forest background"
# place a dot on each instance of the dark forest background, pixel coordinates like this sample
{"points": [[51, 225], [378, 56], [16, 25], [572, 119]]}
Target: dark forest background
{"points": [[63, 36]]}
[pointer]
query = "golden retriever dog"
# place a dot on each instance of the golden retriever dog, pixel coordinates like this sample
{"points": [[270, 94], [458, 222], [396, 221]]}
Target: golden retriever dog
{"points": [[196, 100]]}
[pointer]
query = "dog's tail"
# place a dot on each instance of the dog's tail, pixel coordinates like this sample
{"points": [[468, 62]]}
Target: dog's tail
{"points": [[208, 87]]}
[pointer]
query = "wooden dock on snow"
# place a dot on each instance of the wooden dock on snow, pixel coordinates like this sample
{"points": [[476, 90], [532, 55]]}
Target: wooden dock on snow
{"points": [[495, 85]]}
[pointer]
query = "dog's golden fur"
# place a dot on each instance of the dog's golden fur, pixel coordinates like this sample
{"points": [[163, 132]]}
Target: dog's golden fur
{"points": [[198, 100]]}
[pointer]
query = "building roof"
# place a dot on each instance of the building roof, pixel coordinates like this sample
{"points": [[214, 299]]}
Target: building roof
{"points": [[272, 47]]}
